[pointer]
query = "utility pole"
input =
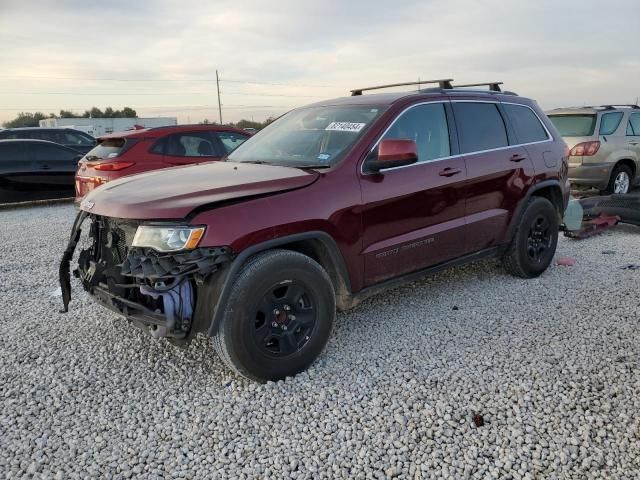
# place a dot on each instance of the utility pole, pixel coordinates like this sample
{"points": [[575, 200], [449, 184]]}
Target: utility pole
{"points": [[219, 104]]}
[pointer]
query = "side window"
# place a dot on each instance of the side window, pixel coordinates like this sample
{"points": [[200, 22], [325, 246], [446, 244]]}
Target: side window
{"points": [[609, 122], [159, 147], [480, 126], [71, 138], [526, 124], [633, 127], [427, 126], [192, 144], [231, 140], [52, 153], [12, 152]]}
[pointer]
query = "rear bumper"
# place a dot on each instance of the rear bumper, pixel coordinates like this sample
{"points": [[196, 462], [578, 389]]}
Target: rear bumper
{"points": [[591, 175]]}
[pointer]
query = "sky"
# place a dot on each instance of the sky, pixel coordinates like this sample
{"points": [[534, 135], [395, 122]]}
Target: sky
{"points": [[161, 57]]}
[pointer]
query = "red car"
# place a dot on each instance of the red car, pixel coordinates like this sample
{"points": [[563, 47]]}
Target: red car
{"points": [[137, 151], [329, 204]]}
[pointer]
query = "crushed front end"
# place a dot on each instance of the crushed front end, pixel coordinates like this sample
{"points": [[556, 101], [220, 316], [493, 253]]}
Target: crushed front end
{"points": [[156, 290]]}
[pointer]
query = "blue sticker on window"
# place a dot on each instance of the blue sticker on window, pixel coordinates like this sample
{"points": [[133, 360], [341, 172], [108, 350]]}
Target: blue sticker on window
{"points": [[324, 156]]}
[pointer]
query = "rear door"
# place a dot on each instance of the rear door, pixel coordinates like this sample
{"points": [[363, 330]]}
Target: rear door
{"points": [[413, 216], [499, 172], [633, 137], [530, 132], [192, 147]]}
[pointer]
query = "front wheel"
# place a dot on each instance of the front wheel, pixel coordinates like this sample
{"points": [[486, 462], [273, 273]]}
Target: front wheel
{"points": [[278, 318], [534, 244]]}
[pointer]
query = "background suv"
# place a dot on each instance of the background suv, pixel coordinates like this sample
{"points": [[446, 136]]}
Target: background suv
{"points": [[329, 204], [69, 137], [604, 143], [136, 151]]}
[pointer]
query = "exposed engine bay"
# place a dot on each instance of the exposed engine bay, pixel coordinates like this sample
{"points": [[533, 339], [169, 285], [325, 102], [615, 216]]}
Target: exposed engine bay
{"points": [[156, 290]]}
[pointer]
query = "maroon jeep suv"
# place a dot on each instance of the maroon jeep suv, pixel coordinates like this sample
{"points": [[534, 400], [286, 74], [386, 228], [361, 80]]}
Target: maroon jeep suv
{"points": [[329, 204]]}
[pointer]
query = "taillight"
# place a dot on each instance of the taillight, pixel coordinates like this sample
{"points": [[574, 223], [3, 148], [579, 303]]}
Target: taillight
{"points": [[586, 149], [112, 166]]}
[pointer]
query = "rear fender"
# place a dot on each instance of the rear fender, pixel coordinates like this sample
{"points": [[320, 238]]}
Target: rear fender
{"points": [[560, 203]]}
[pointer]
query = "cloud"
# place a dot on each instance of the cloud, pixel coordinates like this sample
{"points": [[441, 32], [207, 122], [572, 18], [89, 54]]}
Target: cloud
{"points": [[561, 53]]}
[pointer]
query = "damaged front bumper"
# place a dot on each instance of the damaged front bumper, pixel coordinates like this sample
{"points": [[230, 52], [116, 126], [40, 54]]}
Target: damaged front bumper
{"points": [[155, 290]]}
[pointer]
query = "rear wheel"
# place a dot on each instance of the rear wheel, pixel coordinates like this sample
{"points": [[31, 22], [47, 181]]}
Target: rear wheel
{"points": [[620, 181], [278, 318], [535, 241]]}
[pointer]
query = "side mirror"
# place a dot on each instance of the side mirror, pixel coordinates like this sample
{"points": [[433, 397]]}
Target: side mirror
{"points": [[394, 153]]}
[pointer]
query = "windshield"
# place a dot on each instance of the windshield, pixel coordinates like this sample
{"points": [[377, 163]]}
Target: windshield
{"points": [[574, 125], [309, 137]]}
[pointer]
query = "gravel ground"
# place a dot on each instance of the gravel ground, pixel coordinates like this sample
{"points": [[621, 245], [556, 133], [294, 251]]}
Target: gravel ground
{"points": [[552, 366]]}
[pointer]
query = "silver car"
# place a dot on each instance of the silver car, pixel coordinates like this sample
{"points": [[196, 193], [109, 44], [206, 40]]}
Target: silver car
{"points": [[604, 145]]}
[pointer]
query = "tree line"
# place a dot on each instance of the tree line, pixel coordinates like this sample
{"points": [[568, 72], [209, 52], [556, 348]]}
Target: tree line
{"points": [[28, 119]]}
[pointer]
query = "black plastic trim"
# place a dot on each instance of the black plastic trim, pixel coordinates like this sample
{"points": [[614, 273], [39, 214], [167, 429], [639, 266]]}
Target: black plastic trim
{"points": [[242, 257]]}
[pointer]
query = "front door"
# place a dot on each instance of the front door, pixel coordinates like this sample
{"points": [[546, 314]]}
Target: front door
{"points": [[413, 216]]}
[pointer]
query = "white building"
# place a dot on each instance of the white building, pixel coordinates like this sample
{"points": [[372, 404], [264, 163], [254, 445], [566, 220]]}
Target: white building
{"points": [[102, 126]]}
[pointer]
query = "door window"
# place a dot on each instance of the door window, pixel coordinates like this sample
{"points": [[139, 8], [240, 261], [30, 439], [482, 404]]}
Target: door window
{"points": [[12, 152], [609, 122], [427, 126], [231, 140], [480, 126], [633, 127], [44, 152], [71, 138], [526, 124], [192, 144]]}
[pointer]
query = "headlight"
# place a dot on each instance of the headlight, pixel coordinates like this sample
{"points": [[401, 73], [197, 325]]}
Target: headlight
{"points": [[168, 239]]}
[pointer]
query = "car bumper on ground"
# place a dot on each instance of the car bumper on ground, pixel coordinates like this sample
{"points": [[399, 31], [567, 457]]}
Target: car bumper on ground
{"points": [[591, 175]]}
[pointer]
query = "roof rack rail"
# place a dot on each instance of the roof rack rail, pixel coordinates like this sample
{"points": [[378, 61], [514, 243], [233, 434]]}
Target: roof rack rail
{"points": [[493, 86], [614, 105], [444, 83]]}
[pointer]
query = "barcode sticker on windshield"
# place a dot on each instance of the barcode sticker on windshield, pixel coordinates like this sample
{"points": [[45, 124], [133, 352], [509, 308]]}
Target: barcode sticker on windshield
{"points": [[345, 126]]}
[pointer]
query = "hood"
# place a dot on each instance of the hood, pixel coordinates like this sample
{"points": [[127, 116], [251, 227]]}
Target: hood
{"points": [[172, 193]]}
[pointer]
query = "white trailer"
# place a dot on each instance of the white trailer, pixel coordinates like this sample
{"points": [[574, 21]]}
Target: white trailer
{"points": [[102, 126]]}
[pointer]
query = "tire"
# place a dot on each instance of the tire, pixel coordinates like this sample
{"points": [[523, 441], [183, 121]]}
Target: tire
{"points": [[534, 243], [621, 178], [278, 318]]}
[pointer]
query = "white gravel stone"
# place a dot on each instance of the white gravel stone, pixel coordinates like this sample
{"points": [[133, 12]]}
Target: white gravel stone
{"points": [[552, 365]]}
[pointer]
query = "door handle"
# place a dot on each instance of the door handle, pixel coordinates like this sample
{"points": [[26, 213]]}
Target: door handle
{"points": [[449, 172], [633, 143], [45, 167], [517, 158]]}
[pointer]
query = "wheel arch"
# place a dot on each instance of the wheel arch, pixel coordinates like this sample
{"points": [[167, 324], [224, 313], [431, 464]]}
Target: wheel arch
{"points": [[629, 163], [549, 189], [318, 245]]}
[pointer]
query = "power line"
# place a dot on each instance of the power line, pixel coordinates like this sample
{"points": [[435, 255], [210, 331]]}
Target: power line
{"points": [[111, 79], [246, 94]]}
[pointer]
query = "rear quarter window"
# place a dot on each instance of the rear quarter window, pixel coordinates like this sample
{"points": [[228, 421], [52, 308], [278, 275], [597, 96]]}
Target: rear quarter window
{"points": [[526, 124], [480, 126], [609, 122]]}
